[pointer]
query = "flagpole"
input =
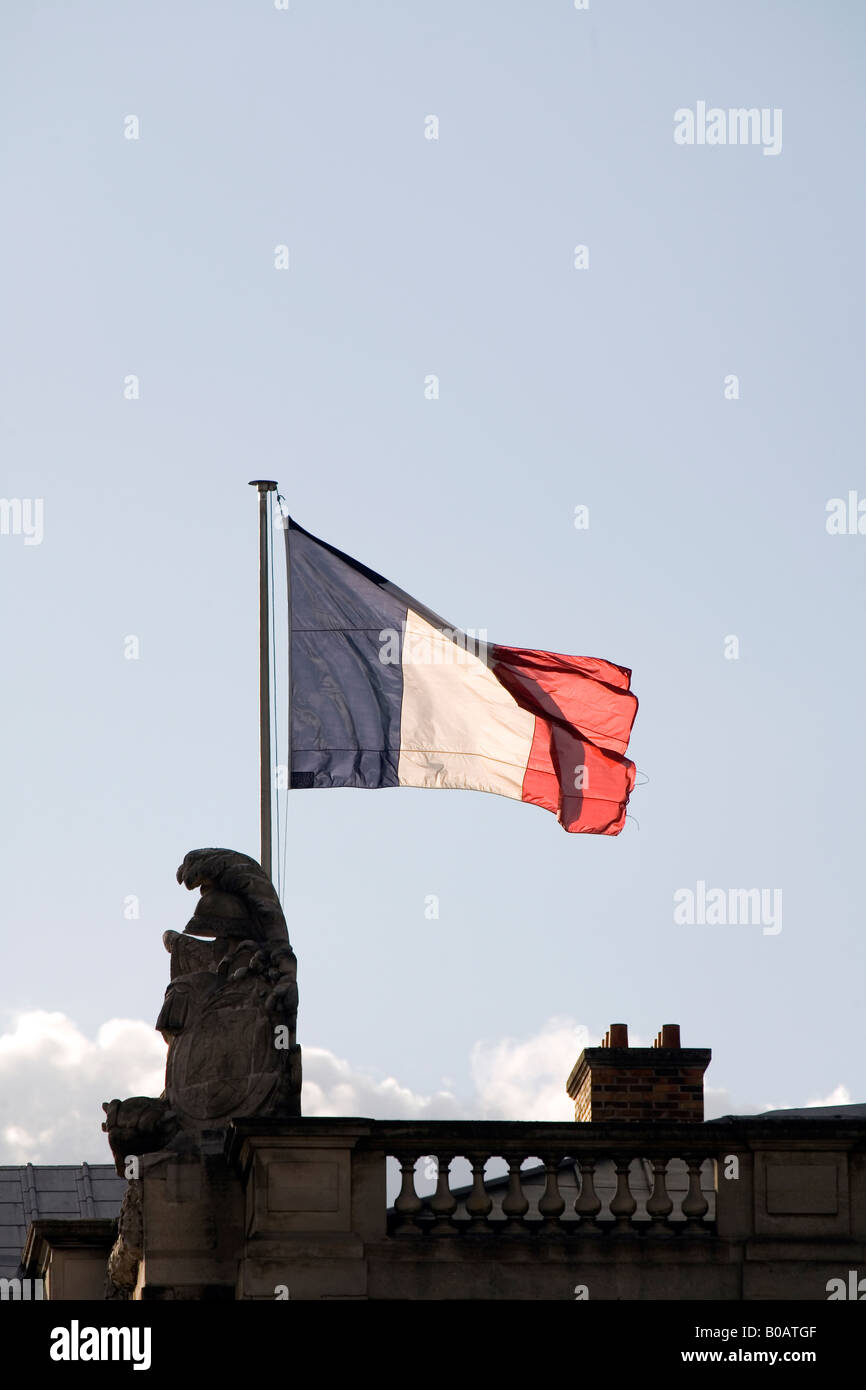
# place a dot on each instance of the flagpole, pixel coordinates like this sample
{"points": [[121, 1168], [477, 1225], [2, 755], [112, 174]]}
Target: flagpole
{"points": [[264, 486]]}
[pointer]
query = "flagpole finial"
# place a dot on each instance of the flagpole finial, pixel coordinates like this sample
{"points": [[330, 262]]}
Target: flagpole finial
{"points": [[264, 484]]}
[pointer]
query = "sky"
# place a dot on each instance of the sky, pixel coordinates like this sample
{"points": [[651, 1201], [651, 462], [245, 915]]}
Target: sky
{"points": [[337, 245]]}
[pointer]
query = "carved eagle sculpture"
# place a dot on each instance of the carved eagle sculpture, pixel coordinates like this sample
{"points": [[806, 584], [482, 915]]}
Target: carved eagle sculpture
{"points": [[237, 897], [231, 995], [241, 913]]}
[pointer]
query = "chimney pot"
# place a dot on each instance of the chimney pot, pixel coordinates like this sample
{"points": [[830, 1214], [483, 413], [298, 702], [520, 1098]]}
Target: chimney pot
{"points": [[670, 1035], [618, 1035]]}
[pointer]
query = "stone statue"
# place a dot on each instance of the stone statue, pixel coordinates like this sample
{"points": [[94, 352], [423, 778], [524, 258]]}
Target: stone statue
{"points": [[229, 1015]]}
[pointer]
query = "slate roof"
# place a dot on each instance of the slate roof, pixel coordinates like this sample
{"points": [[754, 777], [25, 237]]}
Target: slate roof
{"points": [[64, 1190]]}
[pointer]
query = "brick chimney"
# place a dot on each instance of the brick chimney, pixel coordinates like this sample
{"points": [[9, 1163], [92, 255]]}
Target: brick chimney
{"points": [[618, 1082]]}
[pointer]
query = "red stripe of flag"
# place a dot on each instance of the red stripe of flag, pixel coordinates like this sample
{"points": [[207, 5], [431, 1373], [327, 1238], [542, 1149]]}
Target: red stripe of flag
{"points": [[584, 712]]}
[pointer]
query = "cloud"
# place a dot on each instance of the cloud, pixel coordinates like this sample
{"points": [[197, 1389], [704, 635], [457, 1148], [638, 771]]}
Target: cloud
{"points": [[53, 1079], [718, 1101], [512, 1079], [524, 1079], [839, 1096], [331, 1087]]}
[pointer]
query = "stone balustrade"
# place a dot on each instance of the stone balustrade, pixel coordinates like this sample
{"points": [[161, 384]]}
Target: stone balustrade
{"points": [[623, 1184], [748, 1208]]}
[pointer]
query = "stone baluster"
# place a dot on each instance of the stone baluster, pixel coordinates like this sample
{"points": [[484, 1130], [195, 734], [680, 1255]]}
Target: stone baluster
{"points": [[551, 1204], [479, 1203], [659, 1204], [408, 1203], [587, 1204], [695, 1204], [443, 1203], [514, 1204], [622, 1204]]}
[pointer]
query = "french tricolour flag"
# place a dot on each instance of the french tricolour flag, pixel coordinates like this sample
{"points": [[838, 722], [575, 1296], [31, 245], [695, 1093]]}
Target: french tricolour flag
{"points": [[387, 694]]}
